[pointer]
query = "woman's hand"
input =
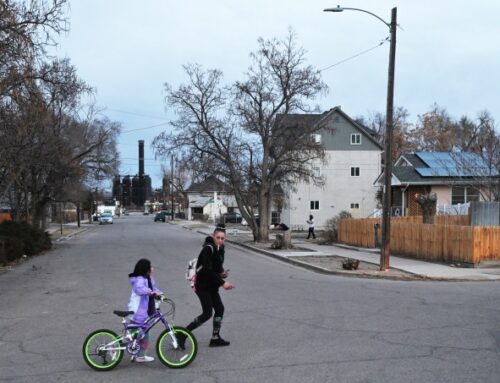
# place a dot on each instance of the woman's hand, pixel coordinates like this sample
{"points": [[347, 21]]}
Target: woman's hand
{"points": [[228, 286]]}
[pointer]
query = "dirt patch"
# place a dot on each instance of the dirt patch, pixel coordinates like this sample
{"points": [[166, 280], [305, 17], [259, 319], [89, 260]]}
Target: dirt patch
{"points": [[334, 263], [267, 246]]}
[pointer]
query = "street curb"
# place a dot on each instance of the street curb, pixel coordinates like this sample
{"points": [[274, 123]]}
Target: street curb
{"points": [[414, 276], [321, 270], [82, 230]]}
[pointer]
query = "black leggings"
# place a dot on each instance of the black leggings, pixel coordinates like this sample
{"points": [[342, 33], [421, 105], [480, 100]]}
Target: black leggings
{"points": [[210, 300], [311, 232]]}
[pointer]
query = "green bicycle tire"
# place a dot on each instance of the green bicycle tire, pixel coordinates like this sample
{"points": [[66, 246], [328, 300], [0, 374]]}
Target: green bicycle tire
{"points": [[176, 358], [101, 337]]}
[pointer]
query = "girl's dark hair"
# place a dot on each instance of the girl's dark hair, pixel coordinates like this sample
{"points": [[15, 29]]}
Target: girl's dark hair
{"points": [[142, 268]]}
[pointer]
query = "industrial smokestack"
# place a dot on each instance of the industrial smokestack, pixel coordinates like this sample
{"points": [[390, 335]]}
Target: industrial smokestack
{"points": [[141, 158]]}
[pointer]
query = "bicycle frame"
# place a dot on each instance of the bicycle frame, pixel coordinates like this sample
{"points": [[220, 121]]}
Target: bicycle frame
{"points": [[144, 328]]}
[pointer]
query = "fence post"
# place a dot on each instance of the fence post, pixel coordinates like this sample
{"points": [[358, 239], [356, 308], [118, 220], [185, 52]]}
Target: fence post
{"points": [[377, 227]]}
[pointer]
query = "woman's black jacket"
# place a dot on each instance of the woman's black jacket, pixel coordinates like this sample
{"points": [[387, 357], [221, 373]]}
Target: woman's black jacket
{"points": [[210, 260]]}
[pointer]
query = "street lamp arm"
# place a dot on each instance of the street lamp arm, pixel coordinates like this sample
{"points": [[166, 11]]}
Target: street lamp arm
{"points": [[340, 9]]}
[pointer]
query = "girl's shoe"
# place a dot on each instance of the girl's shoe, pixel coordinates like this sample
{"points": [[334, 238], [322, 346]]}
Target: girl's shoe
{"points": [[144, 359]]}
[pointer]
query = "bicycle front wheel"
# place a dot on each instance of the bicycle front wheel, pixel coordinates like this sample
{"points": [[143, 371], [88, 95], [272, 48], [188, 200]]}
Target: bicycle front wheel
{"points": [[183, 354], [101, 350]]}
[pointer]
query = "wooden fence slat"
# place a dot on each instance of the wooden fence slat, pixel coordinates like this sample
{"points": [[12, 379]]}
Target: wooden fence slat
{"points": [[456, 242]]}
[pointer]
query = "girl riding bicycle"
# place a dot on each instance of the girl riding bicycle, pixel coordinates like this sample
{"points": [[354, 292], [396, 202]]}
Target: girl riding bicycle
{"points": [[141, 301]]}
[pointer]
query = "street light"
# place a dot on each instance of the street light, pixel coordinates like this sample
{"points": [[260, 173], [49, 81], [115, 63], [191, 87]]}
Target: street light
{"points": [[385, 251]]}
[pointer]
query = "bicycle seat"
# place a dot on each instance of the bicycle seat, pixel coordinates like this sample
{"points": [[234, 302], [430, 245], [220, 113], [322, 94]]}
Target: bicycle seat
{"points": [[122, 314]]}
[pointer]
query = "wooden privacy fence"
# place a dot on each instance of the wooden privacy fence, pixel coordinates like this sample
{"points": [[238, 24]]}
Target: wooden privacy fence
{"points": [[437, 242]]}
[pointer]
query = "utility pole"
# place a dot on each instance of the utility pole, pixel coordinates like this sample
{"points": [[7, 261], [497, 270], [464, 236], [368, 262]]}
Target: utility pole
{"points": [[385, 251], [172, 183]]}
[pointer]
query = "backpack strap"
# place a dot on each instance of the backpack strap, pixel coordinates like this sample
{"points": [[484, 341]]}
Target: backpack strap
{"points": [[201, 267]]}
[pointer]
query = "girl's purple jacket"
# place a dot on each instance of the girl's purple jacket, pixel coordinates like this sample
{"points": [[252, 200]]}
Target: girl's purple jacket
{"points": [[139, 297]]}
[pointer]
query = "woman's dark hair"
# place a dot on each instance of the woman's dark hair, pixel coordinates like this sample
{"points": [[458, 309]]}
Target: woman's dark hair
{"points": [[311, 217], [142, 268], [220, 228]]}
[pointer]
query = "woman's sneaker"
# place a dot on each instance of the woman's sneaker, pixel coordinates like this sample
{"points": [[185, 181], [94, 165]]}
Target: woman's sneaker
{"points": [[144, 359], [218, 342]]}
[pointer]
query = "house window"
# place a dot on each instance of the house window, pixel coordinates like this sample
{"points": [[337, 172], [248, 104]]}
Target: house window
{"points": [[315, 171], [354, 205], [355, 139], [463, 194], [314, 205], [316, 138], [355, 172], [275, 218]]}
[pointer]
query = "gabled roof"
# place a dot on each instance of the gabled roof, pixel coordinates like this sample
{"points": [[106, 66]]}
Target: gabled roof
{"points": [[434, 168], [209, 185], [303, 120]]}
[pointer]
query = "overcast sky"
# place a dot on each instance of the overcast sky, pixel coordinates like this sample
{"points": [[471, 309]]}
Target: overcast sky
{"points": [[447, 53]]}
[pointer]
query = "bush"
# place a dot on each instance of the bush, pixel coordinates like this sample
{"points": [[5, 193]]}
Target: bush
{"points": [[10, 249], [21, 238], [331, 232]]}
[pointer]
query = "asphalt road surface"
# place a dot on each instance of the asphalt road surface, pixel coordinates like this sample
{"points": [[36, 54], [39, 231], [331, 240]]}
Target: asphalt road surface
{"points": [[285, 324]]}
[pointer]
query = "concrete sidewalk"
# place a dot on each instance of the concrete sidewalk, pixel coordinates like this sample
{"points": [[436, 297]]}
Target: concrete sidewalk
{"points": [[304, 249], [68, 230]]}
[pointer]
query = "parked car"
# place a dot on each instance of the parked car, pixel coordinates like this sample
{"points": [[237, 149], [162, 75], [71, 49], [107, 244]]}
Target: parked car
{"points": [[105, 218], [232, 217], [162, 216]]}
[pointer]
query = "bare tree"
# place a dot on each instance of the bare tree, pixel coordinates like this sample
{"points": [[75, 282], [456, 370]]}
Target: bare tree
{"points": [[402, 129], [54, 149], [240, 133], [26, 28], [434, 131]]}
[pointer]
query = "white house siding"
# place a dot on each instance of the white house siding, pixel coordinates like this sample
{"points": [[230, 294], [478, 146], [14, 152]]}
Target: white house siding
{"points": [[340, 189]]}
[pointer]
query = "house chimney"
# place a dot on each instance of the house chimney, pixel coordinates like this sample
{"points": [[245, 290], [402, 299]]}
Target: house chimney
{"points": [[141, 158]]}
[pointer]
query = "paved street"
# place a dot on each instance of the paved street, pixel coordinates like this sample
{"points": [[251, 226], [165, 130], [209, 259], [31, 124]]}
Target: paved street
{"points": [[285, 323]]}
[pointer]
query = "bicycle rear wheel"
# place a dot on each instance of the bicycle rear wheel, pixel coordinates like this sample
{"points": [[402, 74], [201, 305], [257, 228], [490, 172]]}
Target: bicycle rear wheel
{"points": [[176, 357], [99, 353]]}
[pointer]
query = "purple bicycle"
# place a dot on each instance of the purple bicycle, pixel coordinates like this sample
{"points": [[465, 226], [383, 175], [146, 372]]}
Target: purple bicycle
{"points": [[176, 346]]}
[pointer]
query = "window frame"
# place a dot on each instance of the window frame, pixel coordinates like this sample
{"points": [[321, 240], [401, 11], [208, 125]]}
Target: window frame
{"points": [[314, 205], [353, 170], [354, 139]]}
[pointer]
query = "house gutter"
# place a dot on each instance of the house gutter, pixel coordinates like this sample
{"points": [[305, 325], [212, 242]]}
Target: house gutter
{"points": [[403, 198]]}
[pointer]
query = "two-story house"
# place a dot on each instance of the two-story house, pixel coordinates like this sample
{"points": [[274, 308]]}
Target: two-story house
{"points": [[351, 167]]}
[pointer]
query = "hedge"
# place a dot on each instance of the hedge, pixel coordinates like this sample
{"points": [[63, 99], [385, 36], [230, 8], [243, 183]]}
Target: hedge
{"points": [[17, 239]]}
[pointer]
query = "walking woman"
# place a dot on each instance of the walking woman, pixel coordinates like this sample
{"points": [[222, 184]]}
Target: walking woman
{"points": [[210, 277], [311, 227]]}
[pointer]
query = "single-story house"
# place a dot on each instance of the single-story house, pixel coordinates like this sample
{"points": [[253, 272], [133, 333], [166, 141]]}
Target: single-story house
{"points": [[209, 199], [456, 178]]}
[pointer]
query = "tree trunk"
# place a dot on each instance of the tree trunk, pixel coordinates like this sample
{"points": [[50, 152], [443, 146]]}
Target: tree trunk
{"points": [[263, 213]]}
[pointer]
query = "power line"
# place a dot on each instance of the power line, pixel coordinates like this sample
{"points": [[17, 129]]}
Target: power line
{"points": [[146, 127], [387, 39], [135, 114]]}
